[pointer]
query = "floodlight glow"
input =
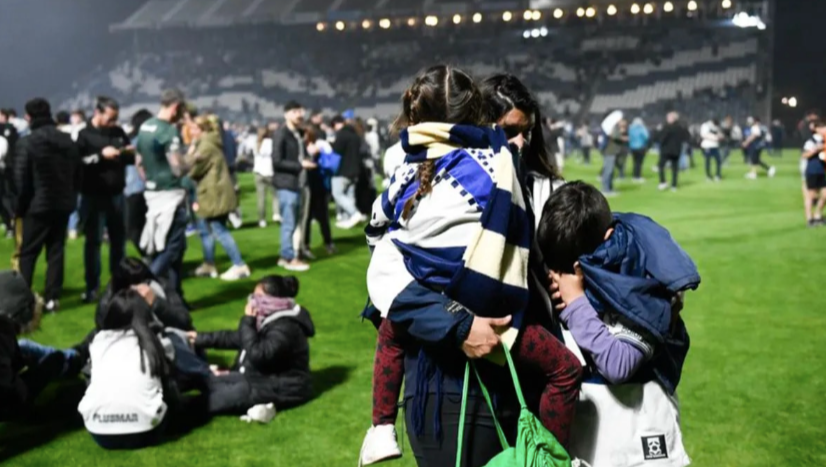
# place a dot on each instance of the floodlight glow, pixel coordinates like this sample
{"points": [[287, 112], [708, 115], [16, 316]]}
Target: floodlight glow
{"points": [[668, 7], [537, 15], [580, 12], [648, 9], [726, 4], [635, 9], [612, 10], [591, 12], [411, 22], [535, 33], [558, 13], [320, 26], [431, 21], [384, 23], [507, 16], [528, 15], [477, 18], [366, 24], [340, 25], [792, 102], [743, 20], [692, 6], [526, 34], [785, 100], [543, 31], [457, 19]]}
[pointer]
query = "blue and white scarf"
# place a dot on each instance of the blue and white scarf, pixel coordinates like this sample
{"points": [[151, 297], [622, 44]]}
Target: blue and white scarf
{"points": [[469, 238]]}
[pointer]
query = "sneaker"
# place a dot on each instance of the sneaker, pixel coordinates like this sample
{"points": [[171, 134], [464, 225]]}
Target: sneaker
{"points": [[297, 266], [662, 186], [751, 176], [380, 444], [206, 270], [52, 306], [262, 224], [353, 221], [772, 171], [261, 413], [340, 217], [276, 218], [282, 263], [307, 254], [235, 220], [89, 297], [236, 272], [331, 249], [73, 235]]}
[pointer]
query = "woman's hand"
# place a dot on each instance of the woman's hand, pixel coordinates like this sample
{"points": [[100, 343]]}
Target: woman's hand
{"points": [[484, 336], [249, 310]]}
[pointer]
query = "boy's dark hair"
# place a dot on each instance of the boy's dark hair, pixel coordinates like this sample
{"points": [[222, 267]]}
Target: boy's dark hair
{"points": [[440, 94], [62, 117], [573, 223], [292, 105], [38, 108], [129, 272], [338, 119], [280, 286]]}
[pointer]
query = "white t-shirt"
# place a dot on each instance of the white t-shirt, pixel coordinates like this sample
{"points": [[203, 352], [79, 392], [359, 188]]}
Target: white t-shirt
{"points": [[710, 134], [121, 399], [262, 164]]}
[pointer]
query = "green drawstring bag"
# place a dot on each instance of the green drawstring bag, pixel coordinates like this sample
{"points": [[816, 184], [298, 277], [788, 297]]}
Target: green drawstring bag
{"points": [[535, 445]]}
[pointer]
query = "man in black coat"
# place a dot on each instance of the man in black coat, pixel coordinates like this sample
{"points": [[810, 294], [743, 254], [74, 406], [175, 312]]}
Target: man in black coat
{"points": [[46, 175], [348, 146], [672, 137]]}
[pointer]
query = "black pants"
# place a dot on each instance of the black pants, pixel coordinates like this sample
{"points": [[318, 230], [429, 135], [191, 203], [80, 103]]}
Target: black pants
{"points": [[481, 443], [135, 218], [639, 159], [320, 212], [622, 157], [586, 154], [96, 213], [675, 167], [44, 230], [6, 213], [230, 394]]}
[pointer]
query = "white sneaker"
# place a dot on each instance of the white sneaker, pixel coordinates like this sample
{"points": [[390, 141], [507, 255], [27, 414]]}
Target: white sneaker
{"points": [[276, 218], [772, 171], [236, 272], [206, 270], [235, 220], [379, 445], [662, 186], [353, 221], [262, 224], [297, 266], [261, 413], [282, 263], [751, 176]]}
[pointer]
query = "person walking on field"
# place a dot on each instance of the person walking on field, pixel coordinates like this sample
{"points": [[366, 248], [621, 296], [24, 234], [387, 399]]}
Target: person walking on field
{"points": [[638, 138], [348, 146], [672, 137]]}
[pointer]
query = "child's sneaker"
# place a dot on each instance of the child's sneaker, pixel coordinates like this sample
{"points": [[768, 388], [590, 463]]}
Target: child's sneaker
{"points": [[379, 445]]}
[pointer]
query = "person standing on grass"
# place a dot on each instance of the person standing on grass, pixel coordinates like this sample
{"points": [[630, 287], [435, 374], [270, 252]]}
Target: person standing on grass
{"points": [[46, 176], [106, 151], [159, 145], [671, 138], [317, 147], [215, 198], [348, 145], [638, 137], [617, 145], [711, 135], [815, 174], [289, 177], [262, 167], [135, 186], [753, 147], [8, 140], [586, 141]]}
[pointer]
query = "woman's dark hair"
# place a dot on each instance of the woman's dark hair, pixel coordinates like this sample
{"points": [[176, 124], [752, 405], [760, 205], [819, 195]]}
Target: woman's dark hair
{"points": [[138, 119], [440, 94], [130, 271], [127, 310], [280, 286], [503, 93]]}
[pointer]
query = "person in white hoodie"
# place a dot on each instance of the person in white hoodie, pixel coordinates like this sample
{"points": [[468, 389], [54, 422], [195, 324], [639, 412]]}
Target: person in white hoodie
{"points": [[262, 167], [127, 403], [711, 135]]}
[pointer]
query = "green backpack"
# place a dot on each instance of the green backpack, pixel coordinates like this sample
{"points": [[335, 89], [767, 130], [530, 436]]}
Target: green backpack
{"points": [[535, 445]]}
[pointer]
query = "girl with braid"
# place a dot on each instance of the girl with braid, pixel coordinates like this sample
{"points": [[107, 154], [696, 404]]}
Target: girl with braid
{"points": [[450, 276]]}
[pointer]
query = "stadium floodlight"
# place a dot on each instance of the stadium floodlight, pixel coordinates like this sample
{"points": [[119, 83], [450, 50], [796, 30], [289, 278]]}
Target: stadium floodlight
{"points": [[543, 31], [537, 15], [792, 102], [726, 4], [366, 24], [635, 9], [591, 12], [612, 10], [385, 23], [411, 22], [526, 34], [477, 18], [744, 20], [320, 27], [558, 13], [535, 33], [340, 25], [692, 6], [648, 9], [457, 19], [580, 12], [507, 16], [668, 7], [528, 15], [785, 100], [431, 21]]}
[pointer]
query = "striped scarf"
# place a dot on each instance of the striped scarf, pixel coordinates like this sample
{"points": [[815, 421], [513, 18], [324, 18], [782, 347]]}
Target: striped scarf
{"points": [[470, 237]]}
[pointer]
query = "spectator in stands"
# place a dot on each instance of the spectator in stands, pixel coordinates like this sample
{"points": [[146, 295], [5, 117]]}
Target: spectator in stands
{"points": [[638, 138], [586, 141], [262, 167], [617, 145], [673, 136], [215, 200], [8, 141], [105, 150], [753, 147], [47, 175], [317, 147], [289, 177], [348, 145], [711, 135], [163, 238], [133, 191]]}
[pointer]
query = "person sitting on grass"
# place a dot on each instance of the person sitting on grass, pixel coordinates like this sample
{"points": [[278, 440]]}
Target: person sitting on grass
{"points": [[273, 362], [131, 393], [620, 280], [814, 173]]}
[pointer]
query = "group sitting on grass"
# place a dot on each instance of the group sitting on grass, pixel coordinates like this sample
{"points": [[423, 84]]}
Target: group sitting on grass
{"points": [[144, 362]]}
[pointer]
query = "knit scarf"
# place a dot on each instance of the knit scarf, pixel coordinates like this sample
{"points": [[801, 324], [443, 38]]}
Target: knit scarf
{"points": [[265, 306]]}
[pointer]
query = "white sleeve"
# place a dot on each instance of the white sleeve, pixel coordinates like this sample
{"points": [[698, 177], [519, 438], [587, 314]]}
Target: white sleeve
{"points": [[266, 148], [756, 130], [809, 146]]}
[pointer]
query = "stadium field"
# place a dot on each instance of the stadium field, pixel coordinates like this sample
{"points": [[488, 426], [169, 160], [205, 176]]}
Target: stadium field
{"points": [[752, 392]]}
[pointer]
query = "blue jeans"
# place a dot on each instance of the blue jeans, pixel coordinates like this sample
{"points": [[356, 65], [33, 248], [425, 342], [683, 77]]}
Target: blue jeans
{"points": [[216, 228], [712, 154], [288, 201], [74, 218], [344, 193], [34, 353], [609, 163], [98, 212], [169, 263]]}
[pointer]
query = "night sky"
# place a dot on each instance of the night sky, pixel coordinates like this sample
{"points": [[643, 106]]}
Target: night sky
{"points": [[800, 58]]}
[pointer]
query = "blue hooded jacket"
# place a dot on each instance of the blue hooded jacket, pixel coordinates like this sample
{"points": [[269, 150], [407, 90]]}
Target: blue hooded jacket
{"points": [[637, 136], [636, 274]]}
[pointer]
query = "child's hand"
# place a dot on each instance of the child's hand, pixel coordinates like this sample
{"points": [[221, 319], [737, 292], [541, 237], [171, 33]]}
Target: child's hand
{"points": [[567, 287]]}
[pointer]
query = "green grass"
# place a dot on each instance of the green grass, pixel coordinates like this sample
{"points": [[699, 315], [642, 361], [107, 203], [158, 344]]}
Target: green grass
{"points": [[752, 391]]}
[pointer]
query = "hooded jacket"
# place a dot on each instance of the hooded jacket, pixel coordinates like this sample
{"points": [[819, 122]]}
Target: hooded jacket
{"points": [[46, 170], [275, 359], [216, 195]]}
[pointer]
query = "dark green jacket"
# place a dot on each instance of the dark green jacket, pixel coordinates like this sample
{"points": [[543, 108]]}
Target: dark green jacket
{"points": [[216, 193]]}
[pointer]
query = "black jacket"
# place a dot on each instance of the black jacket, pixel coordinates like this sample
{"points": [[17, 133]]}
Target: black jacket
{"points": [[286, 160], [46, 171], [103, 177], [275, 360], [672, 137], [9, 133], [348, 146], [13, 392]]}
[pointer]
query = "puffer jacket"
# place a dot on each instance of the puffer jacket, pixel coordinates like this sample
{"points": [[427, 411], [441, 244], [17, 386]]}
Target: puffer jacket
{"points": [[46, 170], [275, 359], [216, 194]]}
